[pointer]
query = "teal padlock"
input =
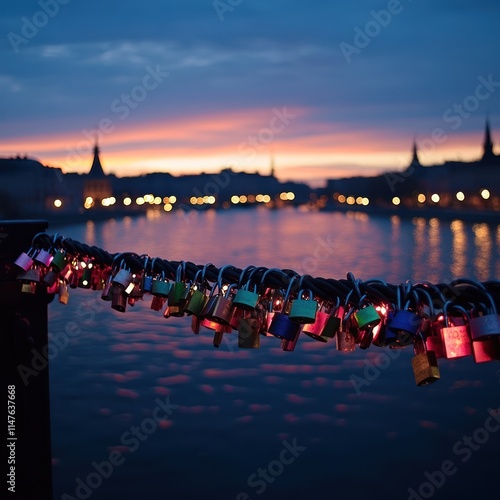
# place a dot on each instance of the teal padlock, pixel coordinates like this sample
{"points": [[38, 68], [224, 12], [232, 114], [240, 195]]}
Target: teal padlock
{"points": [[160, 286], [303, 311], [246, 299]]}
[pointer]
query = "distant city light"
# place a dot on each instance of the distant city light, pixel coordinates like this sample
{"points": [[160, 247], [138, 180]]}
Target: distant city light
{"points": [[149, 198], [127, 201], [460, 196], [421, 198], [366, 201], [350, 200], [210, 200], [359, 200], [167, 207], [235, 199], [157, 200], [266, 198], [341, 198], [251, 198], [172, 199], [283, 196], [485, 194], [435, 198], [140, 200], [290, 196], [193, 200], [58, 203], [243, 199], [396, 200]]}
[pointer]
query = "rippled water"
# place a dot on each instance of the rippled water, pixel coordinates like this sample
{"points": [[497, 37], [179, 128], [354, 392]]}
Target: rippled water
{"points": [[237, 411]]}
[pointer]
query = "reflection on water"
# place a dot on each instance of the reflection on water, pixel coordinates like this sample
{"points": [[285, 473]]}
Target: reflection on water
{"points": [[484, 245], [459, 252], [236, 407]]}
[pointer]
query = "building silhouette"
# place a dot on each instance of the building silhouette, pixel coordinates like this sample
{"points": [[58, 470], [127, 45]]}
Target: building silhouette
{"points": [[97, 185]]}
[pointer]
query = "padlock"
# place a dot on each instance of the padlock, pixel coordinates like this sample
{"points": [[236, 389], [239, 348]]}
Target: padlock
{"points": [[303, 310], [345, 340], [63, 292], [119, 300], [157, 303], [177, 291], [67, 273], [424, 363], [486, 350], [28, 287], [123, 278], [366, 317], [325, 327], [223, 308], [32, 275], [160, 286], [245, 298], [43, 257], [59, 260], [147, 283], [283, 327], [196, 301], [456, 338], [272, 303], [485, 327], [405, 324], [248, 332], [431, 329], [25, 260], [147, 275]]}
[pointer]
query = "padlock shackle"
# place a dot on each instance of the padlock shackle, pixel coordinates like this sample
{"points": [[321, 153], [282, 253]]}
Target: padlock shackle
{"points": [[288, 290], [246, 286], [479, 286], [270, 270], [242, 274], [418, 291]]}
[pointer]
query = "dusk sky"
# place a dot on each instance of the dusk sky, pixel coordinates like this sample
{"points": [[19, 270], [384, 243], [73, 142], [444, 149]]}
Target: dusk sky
{"points": [[329, 88]]}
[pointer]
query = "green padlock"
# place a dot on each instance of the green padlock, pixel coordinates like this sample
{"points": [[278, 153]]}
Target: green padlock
{"points": [[59, 260], [195, 302], [178, 288], [367, 317], [303, 311]]}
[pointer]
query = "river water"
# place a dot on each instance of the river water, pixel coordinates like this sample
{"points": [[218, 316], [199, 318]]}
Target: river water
{"points": [[144, 409]]}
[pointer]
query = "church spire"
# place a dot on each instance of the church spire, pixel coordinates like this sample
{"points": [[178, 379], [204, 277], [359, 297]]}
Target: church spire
{"points": [[415, 161], [96, 169], [488, 143]]}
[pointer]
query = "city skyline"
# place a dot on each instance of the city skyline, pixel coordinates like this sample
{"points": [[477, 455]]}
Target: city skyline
{"points": [[200, 86]]}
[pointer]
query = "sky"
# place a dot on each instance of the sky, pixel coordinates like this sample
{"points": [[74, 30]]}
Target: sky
{"points": [[323, 89]]}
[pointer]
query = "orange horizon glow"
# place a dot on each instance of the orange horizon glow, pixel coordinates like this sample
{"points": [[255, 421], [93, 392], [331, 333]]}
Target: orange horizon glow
{"points": [[208, 143]]}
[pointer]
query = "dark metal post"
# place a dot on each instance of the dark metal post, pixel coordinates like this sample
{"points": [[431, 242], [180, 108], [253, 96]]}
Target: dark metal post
{"points": [[23, 325]]}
